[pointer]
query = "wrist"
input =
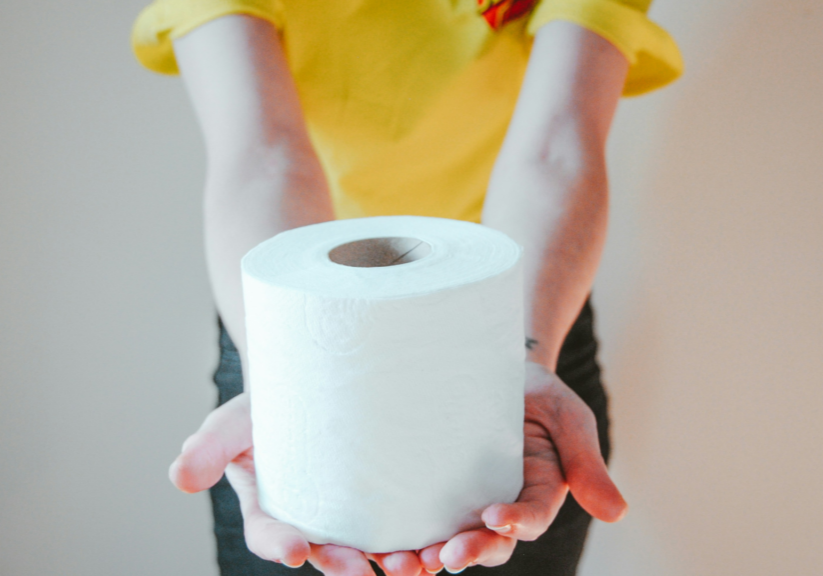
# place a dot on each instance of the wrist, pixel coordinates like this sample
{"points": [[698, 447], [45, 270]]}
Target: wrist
{"points": [[539, 378], [540, 354]]}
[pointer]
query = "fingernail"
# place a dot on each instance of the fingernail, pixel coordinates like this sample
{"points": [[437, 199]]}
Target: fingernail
{"points": [[293, 565], [450, 571], [500, 529], [173, 468], [433, 572], [186, 443]]}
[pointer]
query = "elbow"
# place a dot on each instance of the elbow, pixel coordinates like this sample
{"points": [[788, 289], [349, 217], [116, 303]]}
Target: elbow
{"points": [[567, 154], [275, 163], [562, 170]]}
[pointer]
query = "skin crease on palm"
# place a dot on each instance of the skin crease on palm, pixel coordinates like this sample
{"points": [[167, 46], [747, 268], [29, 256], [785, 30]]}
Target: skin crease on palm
{"points": [[548, 191]]}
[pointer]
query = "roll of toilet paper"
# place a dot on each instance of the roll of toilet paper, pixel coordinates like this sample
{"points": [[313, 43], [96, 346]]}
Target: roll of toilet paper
{"points": [[386, 367]]}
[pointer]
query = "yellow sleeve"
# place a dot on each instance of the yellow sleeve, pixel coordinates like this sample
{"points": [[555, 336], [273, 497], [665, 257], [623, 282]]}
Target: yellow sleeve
{"points": [[654, 59], [165, 20]]}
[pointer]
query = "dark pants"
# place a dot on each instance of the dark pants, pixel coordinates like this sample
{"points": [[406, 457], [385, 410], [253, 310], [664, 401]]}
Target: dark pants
{"points": [[555, 553]]}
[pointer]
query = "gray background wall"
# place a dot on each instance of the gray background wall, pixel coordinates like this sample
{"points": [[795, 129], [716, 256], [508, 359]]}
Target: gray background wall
{"points": [[709, 301]]}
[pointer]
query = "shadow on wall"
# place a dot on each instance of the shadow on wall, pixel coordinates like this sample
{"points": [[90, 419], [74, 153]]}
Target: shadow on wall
{"points": [[718, 429]]}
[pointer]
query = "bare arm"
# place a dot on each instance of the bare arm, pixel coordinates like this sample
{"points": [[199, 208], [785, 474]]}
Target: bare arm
{"points": [[263, 177], [548, 189], [548, 192], [263, 174]]}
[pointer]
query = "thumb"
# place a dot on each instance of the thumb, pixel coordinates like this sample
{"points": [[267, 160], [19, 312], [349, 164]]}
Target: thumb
{"points": [[225, 433], [572, 428], [591, 486]]}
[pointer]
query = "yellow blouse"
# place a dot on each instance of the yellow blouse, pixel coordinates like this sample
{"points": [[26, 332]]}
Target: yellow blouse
{"points": [[407, 102]]}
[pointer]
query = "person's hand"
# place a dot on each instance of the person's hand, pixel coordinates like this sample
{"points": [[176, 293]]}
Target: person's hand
{"points": [[224, 443], [561, 453]]}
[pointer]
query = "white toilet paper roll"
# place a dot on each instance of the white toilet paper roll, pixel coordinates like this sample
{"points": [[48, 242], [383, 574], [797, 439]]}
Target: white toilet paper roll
{"points": [[386, 367]]}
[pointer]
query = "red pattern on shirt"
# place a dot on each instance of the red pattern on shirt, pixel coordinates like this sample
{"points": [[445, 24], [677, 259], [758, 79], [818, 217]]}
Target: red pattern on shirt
{"points": [[500, 12]]}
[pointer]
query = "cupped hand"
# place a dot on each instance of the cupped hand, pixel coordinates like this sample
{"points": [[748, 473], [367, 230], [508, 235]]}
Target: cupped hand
{"points": [[561, 454], [224, 443]]}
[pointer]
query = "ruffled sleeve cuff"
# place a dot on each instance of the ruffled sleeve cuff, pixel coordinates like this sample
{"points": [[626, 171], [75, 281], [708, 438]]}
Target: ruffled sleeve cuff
{"points": [[165, 20], [654, 59]]}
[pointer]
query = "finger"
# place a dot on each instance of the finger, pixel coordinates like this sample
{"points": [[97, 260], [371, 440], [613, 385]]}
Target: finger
{"points": [[544, 491], [430, 558], [476, 547], [573, 431], [399, 563], [592, 487], [266, 537], [225, 433], [334, 560]]}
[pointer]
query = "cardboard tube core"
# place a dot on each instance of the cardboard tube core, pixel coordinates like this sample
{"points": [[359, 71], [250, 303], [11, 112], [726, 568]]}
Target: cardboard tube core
{"points": [[377, 252]]}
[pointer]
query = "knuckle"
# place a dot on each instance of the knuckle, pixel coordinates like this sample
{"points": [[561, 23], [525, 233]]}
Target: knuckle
{"points": [[187, 443], [529, 535], [497, 560], [578, 415], [502, 553], [360, 571], [257, 543], [587, 416], [462, 549], [255, 548]]}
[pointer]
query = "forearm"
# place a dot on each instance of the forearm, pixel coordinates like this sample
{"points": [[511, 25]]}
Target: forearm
{"points": [[247, 204], [549, 188], [263, 175], [562, 234]]}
